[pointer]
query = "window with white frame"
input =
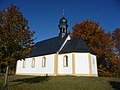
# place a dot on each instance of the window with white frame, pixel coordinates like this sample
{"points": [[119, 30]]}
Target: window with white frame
{"points": [[33, 63], [24, 63], [43, 61], [65, 61]]}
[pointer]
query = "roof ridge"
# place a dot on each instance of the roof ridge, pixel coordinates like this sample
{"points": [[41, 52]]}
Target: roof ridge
{"points": [[47, 39]]}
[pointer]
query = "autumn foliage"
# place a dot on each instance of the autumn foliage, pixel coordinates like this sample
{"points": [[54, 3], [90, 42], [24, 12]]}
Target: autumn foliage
{"points": [[116, 39], [116, 68], [15, 37]]}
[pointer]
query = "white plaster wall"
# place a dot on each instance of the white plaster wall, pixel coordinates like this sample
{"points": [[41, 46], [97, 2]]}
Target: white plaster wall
{"points": [[18, 67], [61, 68], [38, 69], [93, 64], [81, 63]]}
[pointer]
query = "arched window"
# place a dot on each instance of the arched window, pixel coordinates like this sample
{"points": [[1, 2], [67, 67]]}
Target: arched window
{"points": [[43, 62], [24, 63], [33, 63], [65, 61]]}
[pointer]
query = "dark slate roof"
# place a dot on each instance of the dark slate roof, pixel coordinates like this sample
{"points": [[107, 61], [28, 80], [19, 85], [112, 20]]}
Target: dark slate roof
{"points": [[52, 45], [48, 46], [76, 45]]}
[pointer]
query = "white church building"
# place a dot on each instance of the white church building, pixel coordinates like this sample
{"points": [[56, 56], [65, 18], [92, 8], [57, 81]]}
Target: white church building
{"points": [[59, 56]]}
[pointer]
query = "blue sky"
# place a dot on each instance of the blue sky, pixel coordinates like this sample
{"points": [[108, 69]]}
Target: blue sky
{"points": [[44, 15]]}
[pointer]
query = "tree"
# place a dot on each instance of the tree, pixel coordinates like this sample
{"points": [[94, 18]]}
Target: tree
{"points": [[116, 68], [116, 39], [15, 36], [98, 41]]}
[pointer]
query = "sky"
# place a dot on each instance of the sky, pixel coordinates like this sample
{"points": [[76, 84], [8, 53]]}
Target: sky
{"points": [[44, 15]]}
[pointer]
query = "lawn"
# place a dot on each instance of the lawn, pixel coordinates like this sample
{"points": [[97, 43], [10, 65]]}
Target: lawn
{"points": [[60, 83]]}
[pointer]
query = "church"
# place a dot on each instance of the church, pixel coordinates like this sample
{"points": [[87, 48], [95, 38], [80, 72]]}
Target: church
{"points": [[59, 56]]}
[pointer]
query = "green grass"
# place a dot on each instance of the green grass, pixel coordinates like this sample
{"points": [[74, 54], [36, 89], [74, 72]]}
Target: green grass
{"points": [[60, 83]]}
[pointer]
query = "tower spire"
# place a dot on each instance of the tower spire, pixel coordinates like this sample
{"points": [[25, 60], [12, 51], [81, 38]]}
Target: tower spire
{"points": [[63, 26]]}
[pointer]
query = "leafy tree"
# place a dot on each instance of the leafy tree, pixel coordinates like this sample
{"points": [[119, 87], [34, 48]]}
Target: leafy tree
{"points": [[116, 39], [116, 68], [15, 36], [98, 41]]}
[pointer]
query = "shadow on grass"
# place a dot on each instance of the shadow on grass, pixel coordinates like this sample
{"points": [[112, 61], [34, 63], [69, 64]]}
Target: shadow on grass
{"points": [[115, 85], [37, 79]]}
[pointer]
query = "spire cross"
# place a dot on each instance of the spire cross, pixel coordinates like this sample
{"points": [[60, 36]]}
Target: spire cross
{"points": [[63, 13]]}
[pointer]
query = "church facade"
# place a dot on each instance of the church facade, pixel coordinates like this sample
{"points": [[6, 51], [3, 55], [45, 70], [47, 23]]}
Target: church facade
{"points": [[59, 56]]}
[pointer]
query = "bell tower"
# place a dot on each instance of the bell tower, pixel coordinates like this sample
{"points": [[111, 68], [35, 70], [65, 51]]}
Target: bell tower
{"points": [[63, 26]]}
